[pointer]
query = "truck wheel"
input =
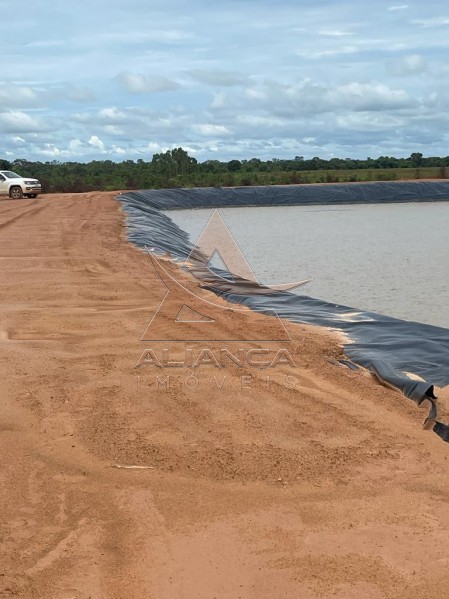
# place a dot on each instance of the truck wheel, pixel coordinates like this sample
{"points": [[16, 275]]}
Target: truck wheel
{"points": [[16, 193]]}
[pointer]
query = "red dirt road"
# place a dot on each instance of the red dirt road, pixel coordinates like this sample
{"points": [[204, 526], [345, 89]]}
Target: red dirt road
{"points": [[251, 491]]}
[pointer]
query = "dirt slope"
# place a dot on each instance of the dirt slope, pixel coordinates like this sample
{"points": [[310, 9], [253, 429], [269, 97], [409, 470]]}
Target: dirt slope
{"points": [[253, 490]]}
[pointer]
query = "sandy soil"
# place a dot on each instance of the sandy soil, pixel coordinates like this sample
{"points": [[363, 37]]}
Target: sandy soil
{"points": [[327, 489]]}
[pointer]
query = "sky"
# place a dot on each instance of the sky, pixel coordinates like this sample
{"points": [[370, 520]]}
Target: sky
{"points": [[109, 79]]}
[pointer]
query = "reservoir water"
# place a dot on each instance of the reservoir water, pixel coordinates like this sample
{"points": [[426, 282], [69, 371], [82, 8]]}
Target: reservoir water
{"points": [[392, 259]]}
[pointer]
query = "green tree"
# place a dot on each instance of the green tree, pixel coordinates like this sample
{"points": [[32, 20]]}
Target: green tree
{"points": [[234, 166], [416, 159]]}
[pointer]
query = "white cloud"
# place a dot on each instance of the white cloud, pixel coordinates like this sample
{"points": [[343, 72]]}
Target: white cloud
{"points": [[75, 145], [133, 123], [45, 43], [334, 32], [324, 84], [79, 94], [432, 22], [96, 142], [51, 150], [363, 121], [310, 97], [113, 130], [118, 150], [16, 121], [315, 54], [154, 147], [369, 97], [257, 94], [146, 84], [217, 77], [408, 66], [210, 129], [163, 36], [219, 100], [260, 121], [18, 96], [113, 114]]}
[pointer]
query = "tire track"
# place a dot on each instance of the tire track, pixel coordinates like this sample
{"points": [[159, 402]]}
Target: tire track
{"points": [[32, 212]]}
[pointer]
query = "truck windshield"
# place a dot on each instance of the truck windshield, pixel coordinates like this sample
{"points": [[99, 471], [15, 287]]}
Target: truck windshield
{"points": [[11, 175]]}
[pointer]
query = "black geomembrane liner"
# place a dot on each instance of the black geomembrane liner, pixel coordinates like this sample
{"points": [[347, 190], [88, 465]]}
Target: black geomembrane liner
{"points": [[388, 347]]}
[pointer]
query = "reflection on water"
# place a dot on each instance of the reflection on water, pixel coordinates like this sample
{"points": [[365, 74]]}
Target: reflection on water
{"points": [[389, 258]]}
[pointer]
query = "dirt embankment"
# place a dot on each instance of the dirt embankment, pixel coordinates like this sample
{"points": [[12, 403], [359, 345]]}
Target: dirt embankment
{"points": [[321, 487]]}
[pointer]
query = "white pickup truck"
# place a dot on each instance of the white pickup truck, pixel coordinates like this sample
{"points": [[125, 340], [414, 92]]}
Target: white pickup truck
{"points": [[15, 186]]}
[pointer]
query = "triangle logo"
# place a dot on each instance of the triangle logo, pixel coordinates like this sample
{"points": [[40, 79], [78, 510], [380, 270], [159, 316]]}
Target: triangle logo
{"points": [[217, 260], [187, 314], [217, 263]]}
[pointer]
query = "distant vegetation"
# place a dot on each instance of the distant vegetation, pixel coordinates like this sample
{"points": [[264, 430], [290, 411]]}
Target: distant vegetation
{"points": [[176, 168]]}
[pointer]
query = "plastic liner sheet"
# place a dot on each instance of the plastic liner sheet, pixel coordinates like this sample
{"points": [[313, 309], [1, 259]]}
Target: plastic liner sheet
{"points": [[388, 347], [293, 195]]}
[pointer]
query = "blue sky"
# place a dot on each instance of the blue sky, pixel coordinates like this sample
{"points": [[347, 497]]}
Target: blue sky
{"points": [[236, 79]]}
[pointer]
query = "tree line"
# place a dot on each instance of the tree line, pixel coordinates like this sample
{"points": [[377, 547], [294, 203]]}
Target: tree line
{"points": [[175, 168]]}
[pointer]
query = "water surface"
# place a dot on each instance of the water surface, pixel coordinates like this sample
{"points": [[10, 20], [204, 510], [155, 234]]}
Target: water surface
{"points": [[389, 258]]}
